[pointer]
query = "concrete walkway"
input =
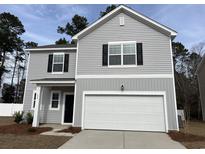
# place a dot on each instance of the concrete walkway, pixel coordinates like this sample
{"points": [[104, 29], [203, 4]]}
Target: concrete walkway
{"points": [[56, 128], [96, 139]]}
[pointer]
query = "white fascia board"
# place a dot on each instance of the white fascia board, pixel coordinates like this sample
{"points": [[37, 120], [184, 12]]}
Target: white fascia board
{"points": [[40, 49], [125, 76], [75, 37], [37, 82], [173, 33]]}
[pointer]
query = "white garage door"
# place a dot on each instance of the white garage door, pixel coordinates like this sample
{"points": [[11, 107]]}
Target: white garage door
{"points": [[117, 112]]}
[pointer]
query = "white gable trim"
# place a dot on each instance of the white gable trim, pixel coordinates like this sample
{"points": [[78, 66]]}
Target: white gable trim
{"points": [[172, 32]]}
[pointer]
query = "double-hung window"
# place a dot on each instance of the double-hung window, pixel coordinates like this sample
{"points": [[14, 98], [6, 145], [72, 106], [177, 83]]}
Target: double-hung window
{"points": [[115, 54], [55, 100], [58, 62], [122, 54]]}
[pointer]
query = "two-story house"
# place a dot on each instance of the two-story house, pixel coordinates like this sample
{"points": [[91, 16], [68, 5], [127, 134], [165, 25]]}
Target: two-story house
{"points": [[118, 76]]}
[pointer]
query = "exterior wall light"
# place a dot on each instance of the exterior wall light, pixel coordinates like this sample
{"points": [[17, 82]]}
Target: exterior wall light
{"points": [[122, 87]]}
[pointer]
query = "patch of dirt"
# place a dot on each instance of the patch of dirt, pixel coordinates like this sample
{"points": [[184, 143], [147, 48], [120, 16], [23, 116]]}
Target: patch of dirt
{"points": [[72, 130], [12, 141], [195, 128], [23, 129], [182, 137], [6, 121], [194, 145]]}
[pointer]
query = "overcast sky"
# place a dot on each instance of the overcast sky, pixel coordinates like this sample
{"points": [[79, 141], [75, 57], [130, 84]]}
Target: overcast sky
{"points": [[41, 21]]}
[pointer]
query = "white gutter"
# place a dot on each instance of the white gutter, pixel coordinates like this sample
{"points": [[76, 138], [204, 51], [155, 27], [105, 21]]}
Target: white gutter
{"points": [[39, 49]]}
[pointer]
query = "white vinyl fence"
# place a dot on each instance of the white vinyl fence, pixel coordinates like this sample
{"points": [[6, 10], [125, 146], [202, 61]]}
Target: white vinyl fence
{"points": [[8, 109]]}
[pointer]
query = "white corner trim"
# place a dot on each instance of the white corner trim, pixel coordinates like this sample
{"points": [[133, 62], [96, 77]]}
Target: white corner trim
{"points": [[154, 93], [40, 49], [25, 89], [125, 76], [74, 103], [172, 32], [76, 62], [174, 88], [37, 82]]}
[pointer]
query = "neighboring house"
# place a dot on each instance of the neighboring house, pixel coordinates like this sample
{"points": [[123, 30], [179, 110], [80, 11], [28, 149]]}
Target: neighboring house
{"points": [[201, 81], [119, 76]]}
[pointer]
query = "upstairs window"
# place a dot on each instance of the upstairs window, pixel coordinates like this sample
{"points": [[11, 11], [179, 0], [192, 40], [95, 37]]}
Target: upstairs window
{"points": [[129, 54], [58, 62], [122, 54], [115, 54]]}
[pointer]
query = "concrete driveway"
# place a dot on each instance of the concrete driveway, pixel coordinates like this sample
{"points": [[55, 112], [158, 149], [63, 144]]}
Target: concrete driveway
{"points": [[97, 139]]}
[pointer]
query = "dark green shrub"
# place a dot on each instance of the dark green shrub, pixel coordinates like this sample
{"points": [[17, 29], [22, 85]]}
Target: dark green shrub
{"points": [[18, 116], [32, 129], [29, 118]]}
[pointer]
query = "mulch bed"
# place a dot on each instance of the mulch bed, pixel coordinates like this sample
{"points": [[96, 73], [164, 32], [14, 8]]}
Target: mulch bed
{"points": [[182, 137], [22, 129], [72, 130]]}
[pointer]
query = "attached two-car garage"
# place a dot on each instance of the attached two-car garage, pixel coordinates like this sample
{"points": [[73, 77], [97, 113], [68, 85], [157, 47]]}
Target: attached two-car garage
{"points": [[140, 112]]}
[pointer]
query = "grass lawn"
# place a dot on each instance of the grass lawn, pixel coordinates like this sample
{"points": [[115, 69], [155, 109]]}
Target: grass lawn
{"points": [[192, 136], [23, 136]]}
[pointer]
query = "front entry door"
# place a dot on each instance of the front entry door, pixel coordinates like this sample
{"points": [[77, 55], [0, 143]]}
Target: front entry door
{"points": [[68, 114]]}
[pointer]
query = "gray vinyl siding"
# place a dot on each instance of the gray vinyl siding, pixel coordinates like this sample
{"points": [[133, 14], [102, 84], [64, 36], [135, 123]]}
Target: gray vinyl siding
{"points": [[130, 85], [52, 116], [39, 62], [156, 48], [38, 70], [47, 115], [201, 80]]}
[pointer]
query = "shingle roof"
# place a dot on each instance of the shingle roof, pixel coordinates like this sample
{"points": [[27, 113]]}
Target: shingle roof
{"points": [[54, 79], [56, 46]]}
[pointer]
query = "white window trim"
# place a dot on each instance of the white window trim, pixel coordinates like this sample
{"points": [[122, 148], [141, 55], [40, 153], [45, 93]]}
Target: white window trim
{"points": [[34, 91], [121, 43], [58, 53], [50, 106]]}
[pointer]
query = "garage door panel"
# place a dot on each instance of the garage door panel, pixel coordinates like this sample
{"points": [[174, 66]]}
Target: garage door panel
{"points": [[145, 113]]}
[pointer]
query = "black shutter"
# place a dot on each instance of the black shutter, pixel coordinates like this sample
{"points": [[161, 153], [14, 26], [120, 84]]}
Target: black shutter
{"points": [[105, 55], [66, 62], [139, 54], [50, 63]]}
